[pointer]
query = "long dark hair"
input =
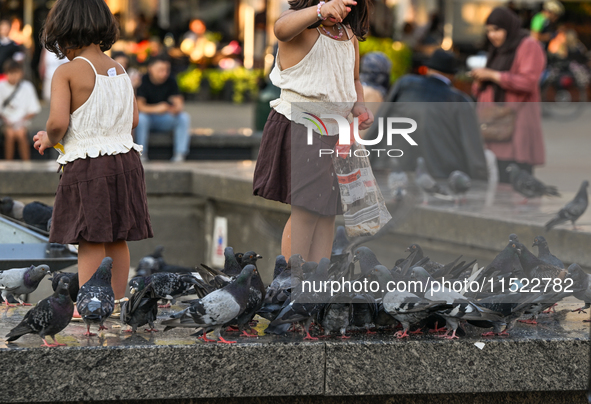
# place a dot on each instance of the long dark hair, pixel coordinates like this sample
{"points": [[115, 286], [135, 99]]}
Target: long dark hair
{"points": [[357, 19], [73, 24]]}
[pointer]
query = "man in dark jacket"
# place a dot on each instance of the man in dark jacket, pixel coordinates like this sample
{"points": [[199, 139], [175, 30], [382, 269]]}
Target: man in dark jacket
{"points": [[447, 134]]}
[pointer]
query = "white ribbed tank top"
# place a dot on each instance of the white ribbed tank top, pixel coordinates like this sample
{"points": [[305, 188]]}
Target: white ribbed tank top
{"points": [[321, 83], [102, 125]]}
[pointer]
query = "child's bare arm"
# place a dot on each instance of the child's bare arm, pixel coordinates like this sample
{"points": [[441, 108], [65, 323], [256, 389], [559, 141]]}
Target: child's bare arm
{"points": [[291, 23], [59, 115], [360, 107]]}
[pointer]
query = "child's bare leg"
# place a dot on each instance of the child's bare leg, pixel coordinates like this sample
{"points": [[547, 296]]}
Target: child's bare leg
{"points": [[9, 143], [90, 256], [286, 240], [119, 251], [322, 239], [303, 226], [23, 144]]}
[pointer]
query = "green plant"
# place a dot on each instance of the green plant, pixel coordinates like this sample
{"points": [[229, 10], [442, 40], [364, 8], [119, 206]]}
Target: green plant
{"points": [[189, 81], [397, 52]]}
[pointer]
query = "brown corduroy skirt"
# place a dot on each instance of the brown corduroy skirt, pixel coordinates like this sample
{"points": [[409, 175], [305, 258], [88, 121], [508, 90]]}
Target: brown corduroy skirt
{"points": [[101, 200], [289, 170]]}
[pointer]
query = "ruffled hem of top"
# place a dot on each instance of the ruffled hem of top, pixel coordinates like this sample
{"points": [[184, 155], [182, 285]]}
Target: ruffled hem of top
{"points": [[295, 114], [94, 151]]}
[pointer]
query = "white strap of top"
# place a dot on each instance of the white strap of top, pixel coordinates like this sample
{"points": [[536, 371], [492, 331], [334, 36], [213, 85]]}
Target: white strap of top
{"points": [[91, 65], [89, 62]]}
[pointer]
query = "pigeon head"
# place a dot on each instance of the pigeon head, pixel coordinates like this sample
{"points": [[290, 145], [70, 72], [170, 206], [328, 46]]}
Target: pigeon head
{"points": [[62, 287], [147, 266], [35, 274], [158, 251], [382, 275], [250, 258], [413, 248], [322, 268], [138, 283], [246, 275], [309, 267], [515, 247], [513, 238], [280, 265], [585, 184], [229, 253], [420, 274], [540, 241], [340, 241], [367, 259], [576, 273], [104, 270]]}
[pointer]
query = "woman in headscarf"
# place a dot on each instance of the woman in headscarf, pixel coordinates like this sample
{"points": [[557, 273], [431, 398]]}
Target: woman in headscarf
{"points": [[512, 73]]}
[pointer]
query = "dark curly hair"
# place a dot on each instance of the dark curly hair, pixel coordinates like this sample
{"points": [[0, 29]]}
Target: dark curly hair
{"points": [[357, 19], [74, 24]]}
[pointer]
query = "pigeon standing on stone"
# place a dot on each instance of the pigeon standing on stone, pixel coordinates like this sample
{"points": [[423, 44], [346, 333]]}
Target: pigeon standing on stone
{"points": [[140, 309], [462, 309], [217, 308], [572, 210], [544, 252], [581, 285], [96, 299], [168, 285], [21, 281], [425, 182], [72, 279], [231, 265], [278, 293], [528, 185], [50, 316], [11, 208], [459, 183], [336, 315]]}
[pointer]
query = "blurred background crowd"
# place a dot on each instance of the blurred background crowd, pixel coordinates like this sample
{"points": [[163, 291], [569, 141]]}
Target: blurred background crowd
{"points": [[224, 49]]}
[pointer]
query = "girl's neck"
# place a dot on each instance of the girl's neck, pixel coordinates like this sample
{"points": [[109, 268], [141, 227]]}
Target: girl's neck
{"points": [[85, 51]]}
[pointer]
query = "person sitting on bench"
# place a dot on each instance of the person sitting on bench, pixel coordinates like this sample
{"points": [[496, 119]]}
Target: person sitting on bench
{"points": [[160, 105]]}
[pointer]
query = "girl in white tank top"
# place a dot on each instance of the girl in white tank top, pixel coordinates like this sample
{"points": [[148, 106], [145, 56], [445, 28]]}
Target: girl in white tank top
{"points": [[101, 201], [317, 69]]}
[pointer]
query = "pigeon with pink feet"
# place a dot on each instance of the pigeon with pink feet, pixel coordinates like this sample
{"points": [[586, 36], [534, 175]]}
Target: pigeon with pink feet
{"points": [[50, 316], [96, 300], [21, 281]]}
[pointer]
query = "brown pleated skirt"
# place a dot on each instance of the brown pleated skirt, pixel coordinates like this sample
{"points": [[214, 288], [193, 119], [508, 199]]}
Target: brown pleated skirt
{"points": [[289, 170], [101, 200]]}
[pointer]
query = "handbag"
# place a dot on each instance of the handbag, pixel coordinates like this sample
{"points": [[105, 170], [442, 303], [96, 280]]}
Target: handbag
{"points": [[497, 122]]}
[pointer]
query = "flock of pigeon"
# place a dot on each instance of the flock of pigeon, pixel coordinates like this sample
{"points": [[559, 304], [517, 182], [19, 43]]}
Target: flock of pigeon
{"points": [[229, 299], [459, 183]]}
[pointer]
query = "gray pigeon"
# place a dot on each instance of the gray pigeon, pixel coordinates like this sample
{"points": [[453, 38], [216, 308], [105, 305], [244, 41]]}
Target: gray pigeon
{"points": [[398, 184], [406, 307], [367, 260], [217, 308], [140, 309], [303, 307], [96, 299], [72, 279], [459, 183], [50, 316], [425, 182], [463, 309], [544, 252], [21, 281], [169, 286], [528, 185], [154, 262], [336, 315], [581, 285], [11, 208], [572, 210], [231, 265]]}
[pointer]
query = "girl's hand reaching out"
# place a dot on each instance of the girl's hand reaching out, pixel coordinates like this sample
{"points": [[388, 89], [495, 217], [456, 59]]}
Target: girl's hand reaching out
{"points": [[337, 9], [42, 142]]}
